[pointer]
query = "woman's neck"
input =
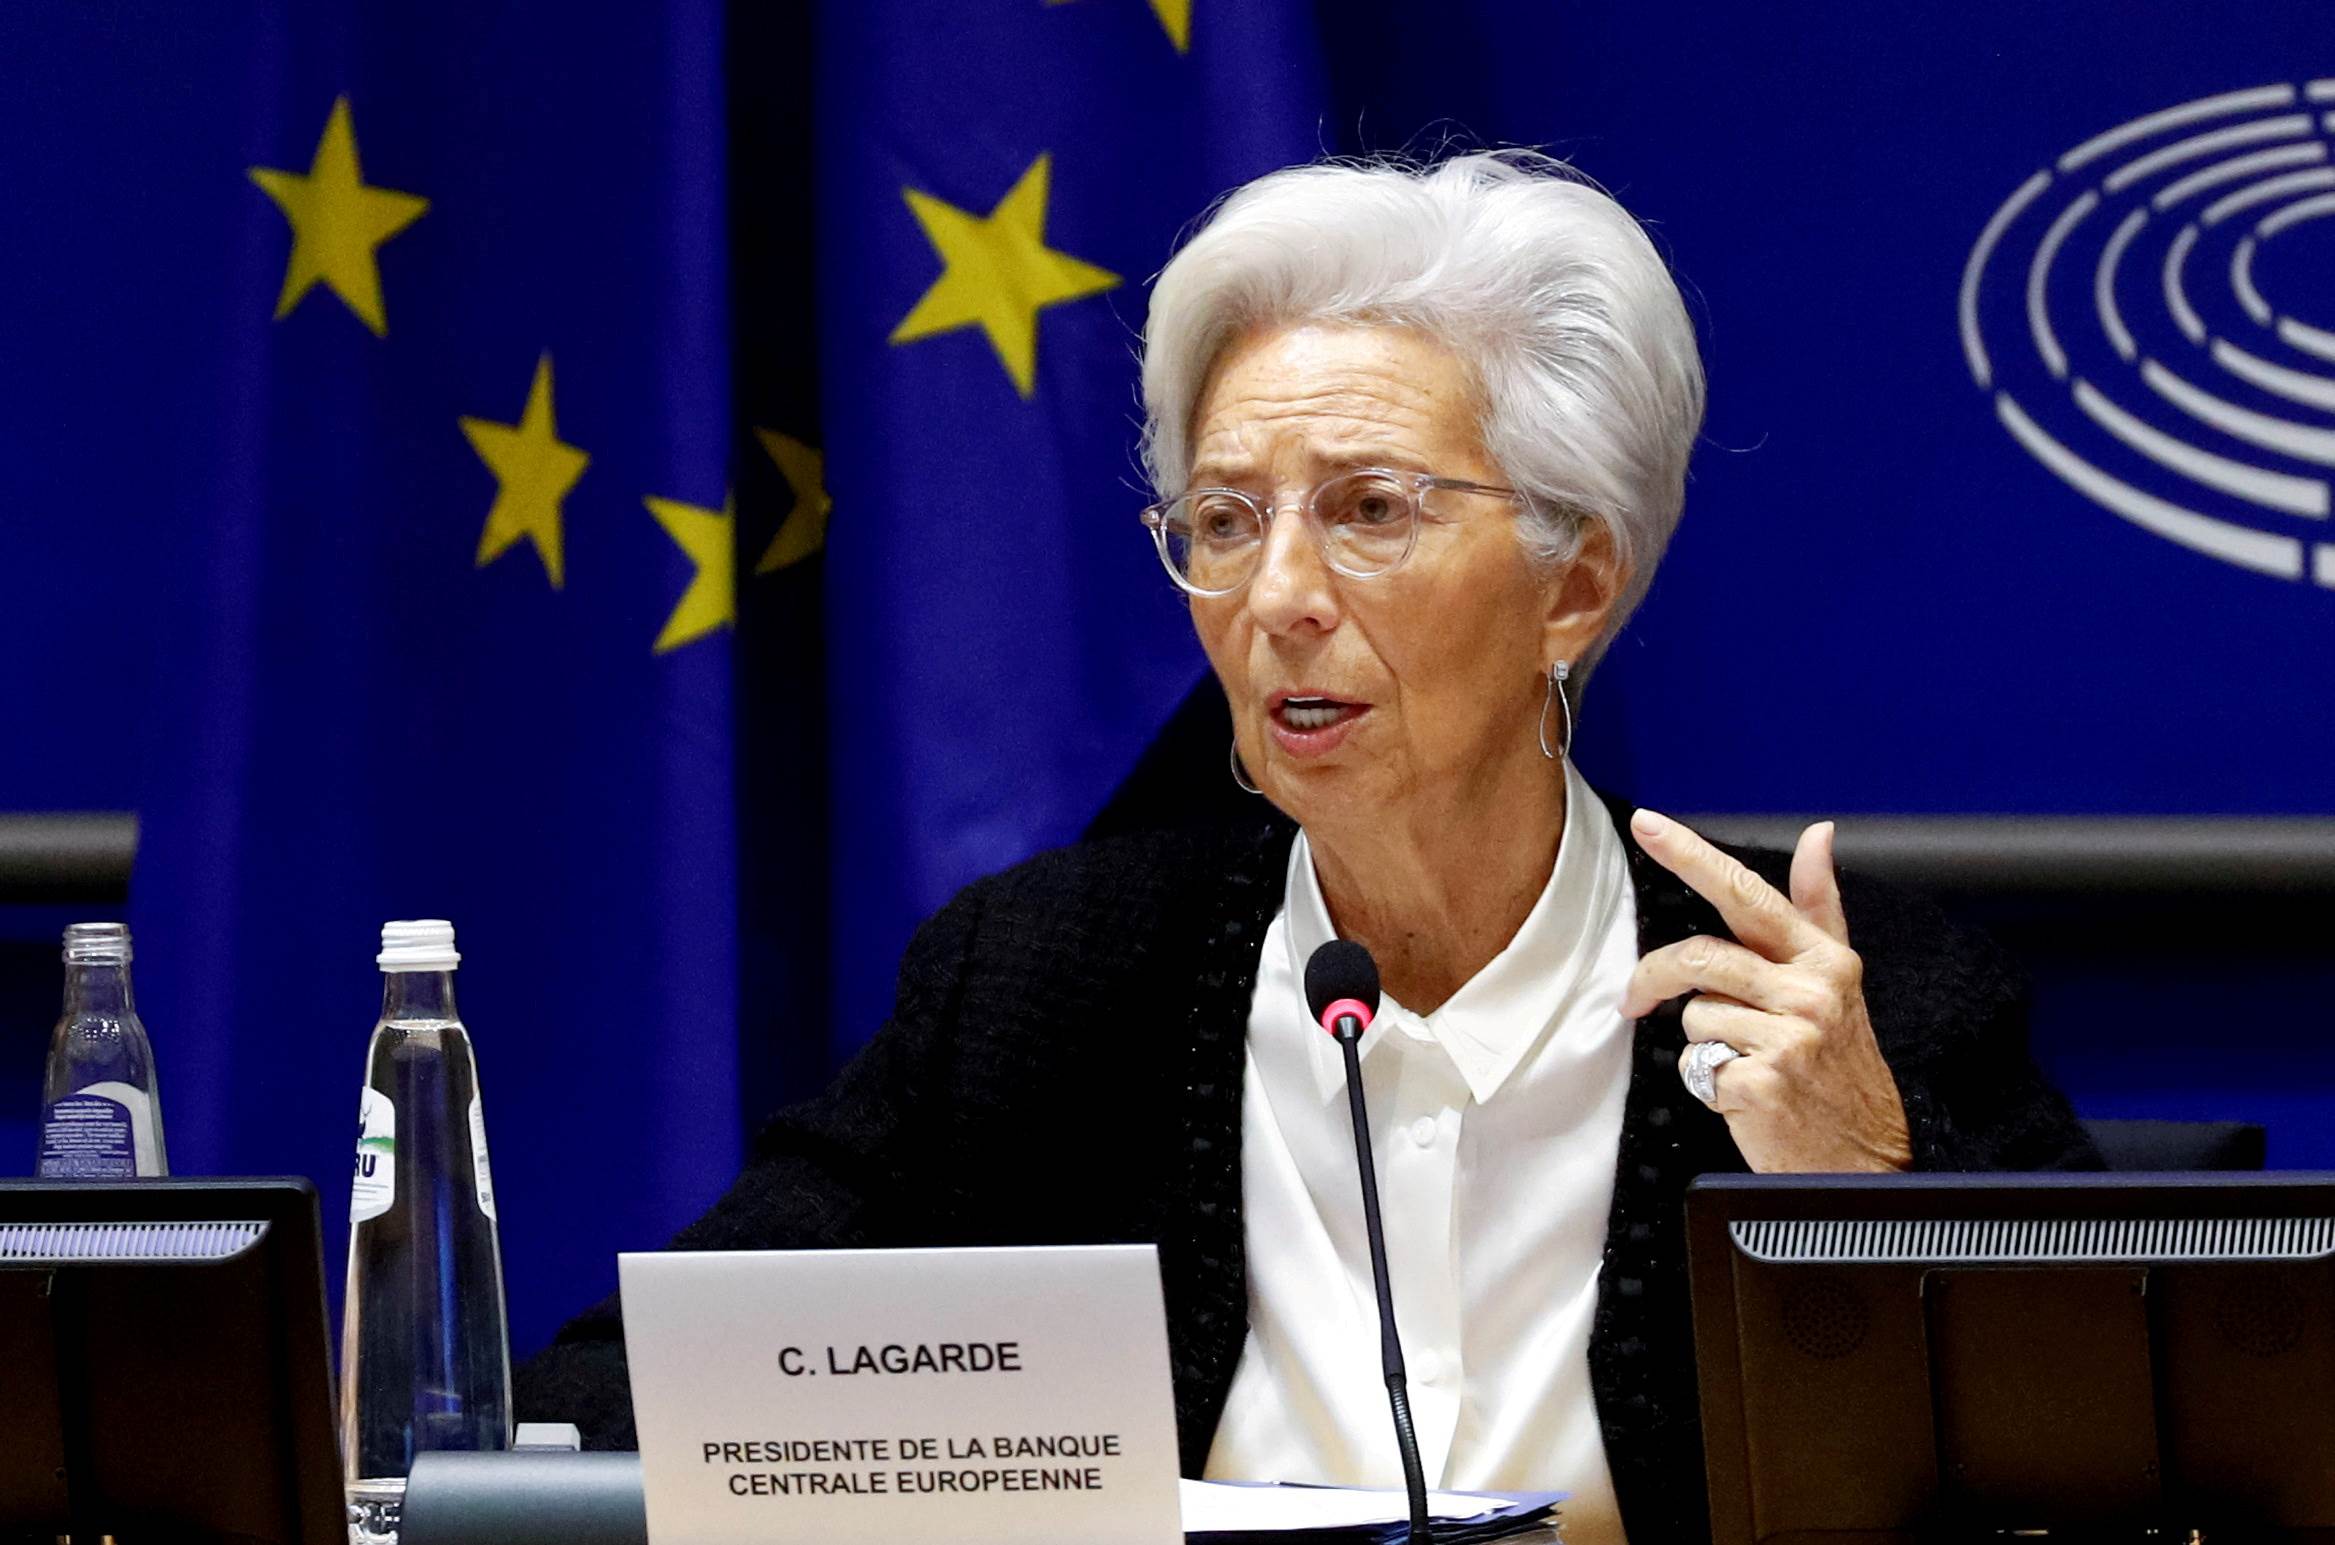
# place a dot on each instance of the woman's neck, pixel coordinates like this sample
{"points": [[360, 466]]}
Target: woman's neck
{"points": [[1436, 896]]}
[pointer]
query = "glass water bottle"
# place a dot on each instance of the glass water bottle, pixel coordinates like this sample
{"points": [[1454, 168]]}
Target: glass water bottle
{"points": [[101, 1109], [425, 1348]]}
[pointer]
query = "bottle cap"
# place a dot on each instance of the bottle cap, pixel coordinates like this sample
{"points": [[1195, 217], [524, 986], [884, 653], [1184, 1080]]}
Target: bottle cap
{"points": [[423, 945], [97, 944]]}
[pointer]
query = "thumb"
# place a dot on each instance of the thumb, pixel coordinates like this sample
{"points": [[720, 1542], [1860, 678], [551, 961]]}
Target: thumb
{"points": [[1815, 887]]}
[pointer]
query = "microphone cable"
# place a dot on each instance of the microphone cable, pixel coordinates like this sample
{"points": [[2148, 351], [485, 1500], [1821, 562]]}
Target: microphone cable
{"points": [[1342, 990]]}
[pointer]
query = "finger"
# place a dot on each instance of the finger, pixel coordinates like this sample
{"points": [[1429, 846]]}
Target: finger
{"points": [[1753, 910], [1705, 964], [1816, 882], [1721, 1019], [1755, 1090]]}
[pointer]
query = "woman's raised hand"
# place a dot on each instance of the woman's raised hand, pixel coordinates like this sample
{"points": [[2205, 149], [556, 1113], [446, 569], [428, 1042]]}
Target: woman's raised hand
{"points": [[1811, 1091]]}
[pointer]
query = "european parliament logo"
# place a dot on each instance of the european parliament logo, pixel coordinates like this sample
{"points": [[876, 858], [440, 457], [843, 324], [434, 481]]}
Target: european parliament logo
{"points": [[2152, 316]]}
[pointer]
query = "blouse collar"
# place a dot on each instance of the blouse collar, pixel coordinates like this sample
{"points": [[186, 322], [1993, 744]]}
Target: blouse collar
{"points": [[1493, 1022]]}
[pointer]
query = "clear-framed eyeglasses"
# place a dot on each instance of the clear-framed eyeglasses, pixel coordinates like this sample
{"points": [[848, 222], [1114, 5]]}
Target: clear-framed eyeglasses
{"points": [[1365, 524]]}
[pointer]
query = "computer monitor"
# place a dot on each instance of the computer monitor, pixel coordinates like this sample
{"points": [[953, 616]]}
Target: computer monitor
{"points": [[164, 1367], [1909, 1358]]}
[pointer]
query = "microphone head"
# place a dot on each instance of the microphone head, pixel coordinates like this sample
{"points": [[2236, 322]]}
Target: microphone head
{"points": [[1341, 978]]}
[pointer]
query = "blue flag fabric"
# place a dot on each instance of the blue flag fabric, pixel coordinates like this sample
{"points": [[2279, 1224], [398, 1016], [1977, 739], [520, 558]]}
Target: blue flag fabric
{"points": [[447, 614], [997, 189]]}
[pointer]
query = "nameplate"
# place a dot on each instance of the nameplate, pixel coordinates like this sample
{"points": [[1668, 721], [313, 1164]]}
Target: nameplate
{"points": [[865, 1395]]}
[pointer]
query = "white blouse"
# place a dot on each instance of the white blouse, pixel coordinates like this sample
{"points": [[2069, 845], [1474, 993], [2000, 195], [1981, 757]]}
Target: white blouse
{"points": [[1494, 1123]]}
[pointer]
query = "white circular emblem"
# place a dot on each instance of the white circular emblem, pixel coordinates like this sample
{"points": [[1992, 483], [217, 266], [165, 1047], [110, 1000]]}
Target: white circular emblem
{"points": [[2143, 336]]}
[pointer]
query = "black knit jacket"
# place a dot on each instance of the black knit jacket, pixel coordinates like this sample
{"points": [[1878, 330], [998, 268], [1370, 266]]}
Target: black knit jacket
{"points": [[1064, 1066]]}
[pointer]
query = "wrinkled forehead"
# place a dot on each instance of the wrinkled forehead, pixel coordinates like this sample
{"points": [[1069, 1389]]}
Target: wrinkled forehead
{"points": [[1312, 398]]}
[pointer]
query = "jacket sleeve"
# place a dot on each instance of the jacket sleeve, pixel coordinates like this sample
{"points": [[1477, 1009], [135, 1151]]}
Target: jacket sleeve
{"points": [[837, 1171], [1950, 1010]]}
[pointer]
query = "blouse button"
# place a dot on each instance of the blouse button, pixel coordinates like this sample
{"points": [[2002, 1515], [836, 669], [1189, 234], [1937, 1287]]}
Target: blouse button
{"points": [[1423, 1131]]}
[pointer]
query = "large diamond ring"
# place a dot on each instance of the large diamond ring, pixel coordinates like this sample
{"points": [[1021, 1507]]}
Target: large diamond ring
{"points": [[1700, 1069]]}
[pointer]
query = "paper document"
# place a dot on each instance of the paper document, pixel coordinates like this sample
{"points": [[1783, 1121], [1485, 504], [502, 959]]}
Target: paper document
{"points": [[1217, 1511]]}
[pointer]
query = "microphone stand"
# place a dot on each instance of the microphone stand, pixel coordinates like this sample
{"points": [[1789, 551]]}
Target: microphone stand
{"points": [[1390, 1346]]}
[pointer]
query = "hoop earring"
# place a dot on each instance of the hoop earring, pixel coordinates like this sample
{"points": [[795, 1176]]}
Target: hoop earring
{"points": [[1556, 694], [1239, 773]]}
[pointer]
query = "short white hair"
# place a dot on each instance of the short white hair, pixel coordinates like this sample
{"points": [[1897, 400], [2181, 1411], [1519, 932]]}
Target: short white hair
{"points": [[1544, 287]]}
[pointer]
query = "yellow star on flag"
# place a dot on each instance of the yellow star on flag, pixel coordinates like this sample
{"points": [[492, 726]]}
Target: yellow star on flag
{"points": [[805, 529], [338, 224], [1176, 16], [534, 471], [1000, 273], [711, 601]]}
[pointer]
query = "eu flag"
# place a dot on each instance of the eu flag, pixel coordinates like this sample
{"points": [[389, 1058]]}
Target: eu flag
{"points": [[450, 617], [998, 184]]}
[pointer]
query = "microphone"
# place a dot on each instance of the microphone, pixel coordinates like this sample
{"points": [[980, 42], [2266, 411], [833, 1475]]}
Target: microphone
{"points": [[1341, 988]]}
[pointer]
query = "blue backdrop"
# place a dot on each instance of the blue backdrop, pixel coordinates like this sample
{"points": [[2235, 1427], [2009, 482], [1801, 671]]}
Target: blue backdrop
{"points": [[367, 455], [700, 537]]}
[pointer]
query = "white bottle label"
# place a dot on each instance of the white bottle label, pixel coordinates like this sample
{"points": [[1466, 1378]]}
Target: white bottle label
{"points": [[103, 1132], [376, 1182], [486, 1177]]}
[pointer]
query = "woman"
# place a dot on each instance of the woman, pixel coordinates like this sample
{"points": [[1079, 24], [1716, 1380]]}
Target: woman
{"points": [[1425, 434]]}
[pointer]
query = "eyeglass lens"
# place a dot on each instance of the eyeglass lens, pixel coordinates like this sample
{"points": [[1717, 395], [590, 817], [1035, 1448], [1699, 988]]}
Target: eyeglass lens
{"points": [[1216, 537]]}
